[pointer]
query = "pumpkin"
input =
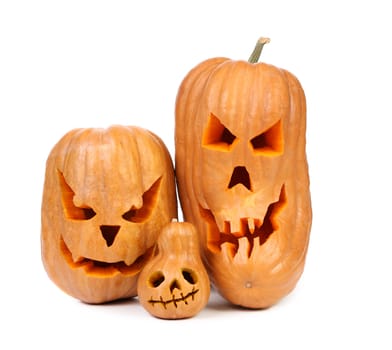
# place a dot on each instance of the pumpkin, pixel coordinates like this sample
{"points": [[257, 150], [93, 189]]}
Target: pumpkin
{"points": [[107, 194], [174, 284], [242, 175]]}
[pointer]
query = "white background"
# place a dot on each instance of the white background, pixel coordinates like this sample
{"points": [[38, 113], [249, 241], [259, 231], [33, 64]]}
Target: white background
{"points": [[68, 64]]}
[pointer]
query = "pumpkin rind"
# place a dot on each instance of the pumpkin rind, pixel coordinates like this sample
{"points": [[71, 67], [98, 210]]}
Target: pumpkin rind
{"points": [[107, 194], [242, 176]]}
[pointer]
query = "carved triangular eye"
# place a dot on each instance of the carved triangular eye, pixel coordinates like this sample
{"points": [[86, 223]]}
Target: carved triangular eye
{"points": [[269, 141], [149, 201], [71, 211], [216, 135]]}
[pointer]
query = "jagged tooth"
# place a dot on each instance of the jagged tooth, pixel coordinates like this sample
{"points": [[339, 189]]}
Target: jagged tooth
{"points": [[243, 250], [129, 261], [227, 227], [235, 228], [228, 249], [251, 225], [77, 258], [184, 299], [221, 225], [163, 302], [256, 247]]}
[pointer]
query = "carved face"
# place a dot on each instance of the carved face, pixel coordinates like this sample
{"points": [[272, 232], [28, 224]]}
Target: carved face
{"points": [[243, 158], [175, 284], [176, 287], [242, 176], [107, 194]]}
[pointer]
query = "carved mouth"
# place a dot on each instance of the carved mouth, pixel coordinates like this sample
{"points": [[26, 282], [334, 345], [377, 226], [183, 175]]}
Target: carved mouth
{"points": [[251, 228], [104, 269], [175, 300]]}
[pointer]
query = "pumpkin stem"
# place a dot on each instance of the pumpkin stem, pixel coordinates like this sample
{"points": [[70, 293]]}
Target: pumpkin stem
{"points": [[254, 57]]}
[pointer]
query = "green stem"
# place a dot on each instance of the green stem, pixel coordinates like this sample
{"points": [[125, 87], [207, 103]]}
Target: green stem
{"points": [[254, 57]]}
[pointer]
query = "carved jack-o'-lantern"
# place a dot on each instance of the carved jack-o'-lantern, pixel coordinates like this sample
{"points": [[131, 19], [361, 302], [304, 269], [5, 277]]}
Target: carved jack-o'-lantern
{"points": [[243, 176], [107, 194], [174, 283]]}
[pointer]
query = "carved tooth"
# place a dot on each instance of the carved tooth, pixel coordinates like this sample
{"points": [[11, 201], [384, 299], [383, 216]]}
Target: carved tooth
{"points": [[214, 247], [184, 298], [77, 258], [243, 250], [218, 225], [235, 228], [163, 302], [229, 249], [227, 227], [251, 225], [129, 262], [256, 247], [174, 300]]}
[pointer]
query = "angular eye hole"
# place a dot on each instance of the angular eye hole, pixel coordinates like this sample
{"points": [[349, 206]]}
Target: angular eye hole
{"points": [[156, 279], [189, 276], [216, 136], [269, 142], [149, 201], [71, 211]]}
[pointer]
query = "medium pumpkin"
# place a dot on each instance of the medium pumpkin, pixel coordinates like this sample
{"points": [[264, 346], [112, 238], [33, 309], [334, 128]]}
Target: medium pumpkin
{"points": [[243, 176], [107, 194], [174, 283]]}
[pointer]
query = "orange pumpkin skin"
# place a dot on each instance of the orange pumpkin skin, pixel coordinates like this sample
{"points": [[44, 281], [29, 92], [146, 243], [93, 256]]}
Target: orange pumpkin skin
{"points": [[174, 284], [243, 177], [107, 194]]}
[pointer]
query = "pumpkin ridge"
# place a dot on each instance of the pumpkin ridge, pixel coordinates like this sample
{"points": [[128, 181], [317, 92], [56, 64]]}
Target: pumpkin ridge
{"points": [[188, 94]]}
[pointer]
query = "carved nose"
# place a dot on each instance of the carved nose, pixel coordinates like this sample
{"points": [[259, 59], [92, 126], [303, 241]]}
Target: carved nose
{"points": [[109, 232], [240, 176], [174, 285]]}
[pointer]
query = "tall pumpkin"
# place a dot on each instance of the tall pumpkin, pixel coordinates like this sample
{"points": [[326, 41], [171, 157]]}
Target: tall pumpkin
{"points": [[107, 194], [243, 176]]}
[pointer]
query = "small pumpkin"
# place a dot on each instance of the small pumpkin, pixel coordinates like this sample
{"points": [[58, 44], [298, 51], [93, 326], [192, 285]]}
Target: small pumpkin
{"points": [[107, 194], [174, 284], [243, 177]]}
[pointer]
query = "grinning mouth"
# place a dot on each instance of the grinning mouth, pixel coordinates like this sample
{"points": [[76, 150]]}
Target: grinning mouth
{"points": [[250, 228], [104, 269], [175, 300]]}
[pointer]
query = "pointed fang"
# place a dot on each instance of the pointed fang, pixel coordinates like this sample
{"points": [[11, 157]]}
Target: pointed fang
{"points": [[251, 225], [77, 258]]}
